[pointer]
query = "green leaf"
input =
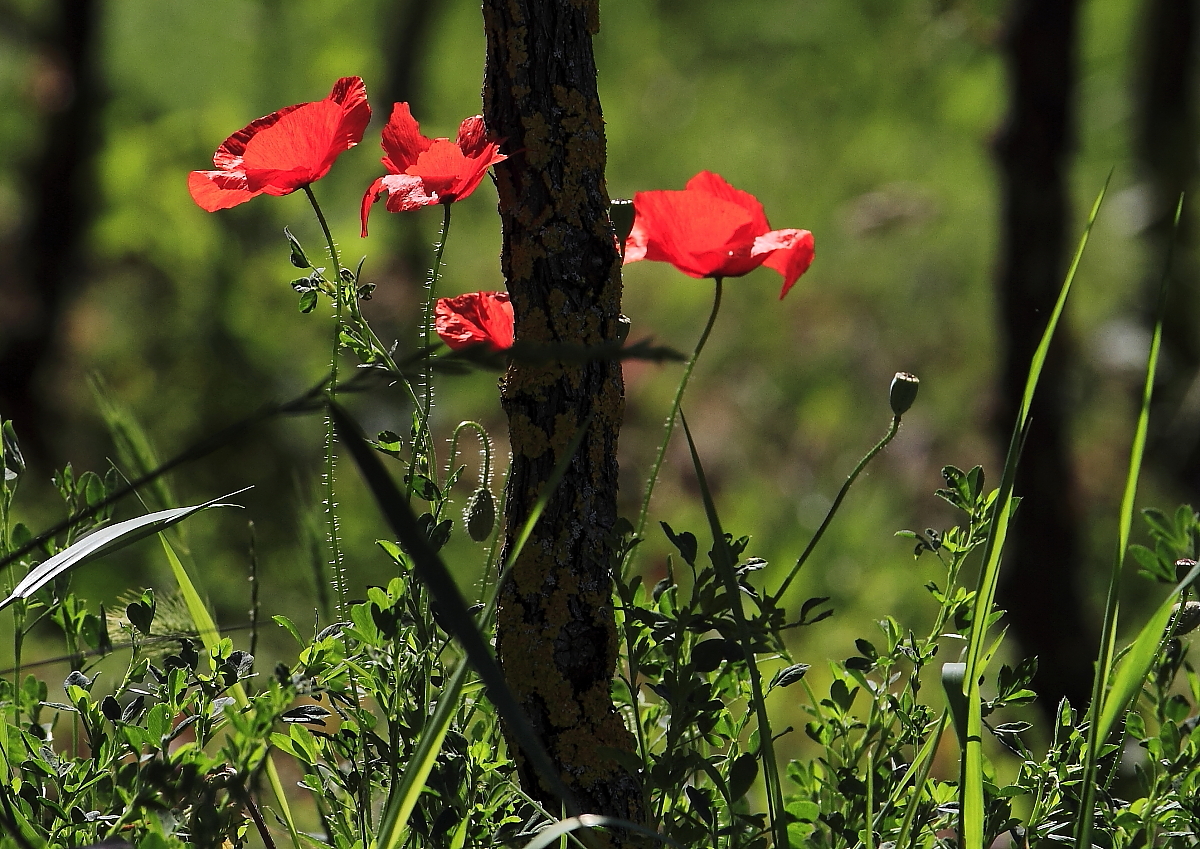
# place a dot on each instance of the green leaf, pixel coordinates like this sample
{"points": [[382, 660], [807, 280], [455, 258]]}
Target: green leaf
{"points": [[788, 676], [287, 624], [105, 541], [741, 776], [298, 258]]}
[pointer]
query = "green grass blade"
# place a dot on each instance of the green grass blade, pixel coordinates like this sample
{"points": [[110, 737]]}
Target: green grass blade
{"points": [[925, 759], [433, 573], [210, 635], [1137, 663], [971, 780], [105, 541], [403, 797], [562, 828], [724, 565], [1104, 710]]}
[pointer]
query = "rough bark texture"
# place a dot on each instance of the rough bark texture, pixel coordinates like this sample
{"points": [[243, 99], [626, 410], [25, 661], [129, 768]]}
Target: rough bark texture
{"points": [[1168, 132], [1040, 587], [49, 249], [556, 635]]}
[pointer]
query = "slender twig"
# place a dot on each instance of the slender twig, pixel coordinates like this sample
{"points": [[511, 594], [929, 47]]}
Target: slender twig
{"points": [[259, 822], [837, 502]]}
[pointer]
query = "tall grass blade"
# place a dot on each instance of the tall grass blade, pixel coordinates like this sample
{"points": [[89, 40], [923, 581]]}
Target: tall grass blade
{"points": [[105, 541], [210, 635], [724, 565], [971, 784], [1104, 709], [548, 835], [458, 621], [925, 759], [1136, 664], [403, 797]]}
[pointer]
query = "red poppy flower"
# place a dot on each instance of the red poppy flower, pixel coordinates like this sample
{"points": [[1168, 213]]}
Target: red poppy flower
{"points": [[285, 150], [474, 318], [711, 229], [423, 171]]}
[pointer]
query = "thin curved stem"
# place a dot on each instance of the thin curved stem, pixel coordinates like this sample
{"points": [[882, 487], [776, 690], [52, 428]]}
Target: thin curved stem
{"points": [[837, 502], [485, 447], [674, 414]]}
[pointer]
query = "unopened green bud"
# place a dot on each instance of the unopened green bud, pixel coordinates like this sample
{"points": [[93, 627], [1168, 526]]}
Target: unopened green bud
{"points": [[623, 325], [480, 514], [903, 392], [1187, 617], [621, 212]]}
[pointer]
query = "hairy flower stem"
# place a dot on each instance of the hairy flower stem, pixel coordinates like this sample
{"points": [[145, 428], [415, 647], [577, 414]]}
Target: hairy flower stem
{"points": [[426, 406], [332, 535], [837, 502], [674, 414]]}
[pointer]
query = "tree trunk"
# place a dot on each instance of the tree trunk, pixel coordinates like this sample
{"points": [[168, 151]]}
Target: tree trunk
{"points": [[47, 256], [1040, 587], [556, 635], [1168, 132]]}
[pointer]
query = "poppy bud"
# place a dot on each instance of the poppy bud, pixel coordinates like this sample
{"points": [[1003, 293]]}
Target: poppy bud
{"points": [[623, 325], [480, 514], [1187, 617], [903, 392], [621, 212]]}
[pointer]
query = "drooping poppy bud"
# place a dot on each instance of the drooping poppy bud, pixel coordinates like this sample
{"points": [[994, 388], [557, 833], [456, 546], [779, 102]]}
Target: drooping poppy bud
{"points": [[903, 392], [480, 514]]}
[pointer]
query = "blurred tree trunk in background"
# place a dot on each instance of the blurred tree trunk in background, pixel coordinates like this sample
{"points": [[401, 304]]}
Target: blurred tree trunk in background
{"points": [[1167, 142], [65, 90], [1041, 577], [556, 636]]}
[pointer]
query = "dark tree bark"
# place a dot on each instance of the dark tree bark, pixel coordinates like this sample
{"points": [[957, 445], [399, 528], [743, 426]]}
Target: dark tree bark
{"points": [[49, 251], [1040, 581], [1168, 133], [556, 635]]}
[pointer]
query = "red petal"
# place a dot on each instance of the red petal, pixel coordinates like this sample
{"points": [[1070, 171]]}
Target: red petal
{"points": [[701, 235], [402, 140], [790, 252], [714, 184], [372, 195], [439, 166], [214, 190], [295, 145], [406, 193], [229, 154], [635, 245], [477, 317], [472, 136], [301, 146]]}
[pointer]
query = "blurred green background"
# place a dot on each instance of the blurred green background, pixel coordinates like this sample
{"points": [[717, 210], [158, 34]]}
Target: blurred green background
{"points": [[865, 121]]}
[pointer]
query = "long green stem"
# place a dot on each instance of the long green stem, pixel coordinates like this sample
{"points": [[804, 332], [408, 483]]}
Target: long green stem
{"points": [[332, 534], [435, 274], [674, 414], [837, 502]]}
